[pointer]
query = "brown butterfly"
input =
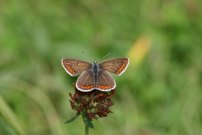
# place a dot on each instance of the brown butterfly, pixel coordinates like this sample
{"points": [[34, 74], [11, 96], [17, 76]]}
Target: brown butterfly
{"points": [[95, 76]]}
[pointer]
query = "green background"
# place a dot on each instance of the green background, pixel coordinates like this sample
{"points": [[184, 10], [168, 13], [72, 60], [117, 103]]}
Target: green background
{"points": [[159, 94]]}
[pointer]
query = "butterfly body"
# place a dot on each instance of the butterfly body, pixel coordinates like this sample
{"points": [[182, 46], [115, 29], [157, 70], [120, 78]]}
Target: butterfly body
{"points": [[95, 76], [95, 70]]}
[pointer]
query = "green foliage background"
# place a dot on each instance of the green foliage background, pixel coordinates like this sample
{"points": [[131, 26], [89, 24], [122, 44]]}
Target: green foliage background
{"points": [[159, 95]]}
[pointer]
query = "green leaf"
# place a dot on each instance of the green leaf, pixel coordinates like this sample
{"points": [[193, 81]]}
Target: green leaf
{"points": [[73, 118], [87, 121]]}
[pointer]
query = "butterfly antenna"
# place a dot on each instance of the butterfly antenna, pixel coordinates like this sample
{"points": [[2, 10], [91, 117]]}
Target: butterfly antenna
{"points": [[83, 53], [105, 56]]}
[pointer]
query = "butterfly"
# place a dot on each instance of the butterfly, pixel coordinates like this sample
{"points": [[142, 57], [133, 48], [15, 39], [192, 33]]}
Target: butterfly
{"points": [[95, 76]]}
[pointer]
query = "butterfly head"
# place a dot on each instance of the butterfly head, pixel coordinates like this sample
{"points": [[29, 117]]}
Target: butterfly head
{"points": [[95, 62]]}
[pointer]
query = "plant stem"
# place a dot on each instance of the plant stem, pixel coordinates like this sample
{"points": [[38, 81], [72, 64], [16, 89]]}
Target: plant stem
{"points": [[86, 130]]}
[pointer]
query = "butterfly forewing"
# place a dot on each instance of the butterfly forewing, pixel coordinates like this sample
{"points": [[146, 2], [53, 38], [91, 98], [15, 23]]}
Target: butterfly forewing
{"points": [[75, 67], [116, 66]]}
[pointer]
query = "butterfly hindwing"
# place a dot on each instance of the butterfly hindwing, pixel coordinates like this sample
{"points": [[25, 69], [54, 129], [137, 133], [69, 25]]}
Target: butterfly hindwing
{"points": [[105, 81], [85, 81]]}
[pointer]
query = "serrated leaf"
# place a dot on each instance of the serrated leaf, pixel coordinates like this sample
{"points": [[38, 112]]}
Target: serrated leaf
{"points": [[87, 121]]}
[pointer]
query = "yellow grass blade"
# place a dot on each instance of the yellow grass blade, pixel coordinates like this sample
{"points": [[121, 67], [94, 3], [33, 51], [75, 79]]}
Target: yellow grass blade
{"points": [[139, 50]]}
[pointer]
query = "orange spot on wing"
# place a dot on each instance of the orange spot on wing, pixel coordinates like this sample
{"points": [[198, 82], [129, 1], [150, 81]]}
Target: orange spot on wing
{"points": [[86, 87], [70, 69], [121, 68], [104, 87]]}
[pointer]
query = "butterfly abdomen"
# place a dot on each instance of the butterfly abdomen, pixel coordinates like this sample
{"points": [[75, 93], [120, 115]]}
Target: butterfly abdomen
{"points": [[95, 70]]}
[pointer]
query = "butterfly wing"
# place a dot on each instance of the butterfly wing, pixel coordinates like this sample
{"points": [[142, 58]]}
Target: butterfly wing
{"points": [[105, 81], [75, 67], [116, 66], [88, 80], [85, 81]]}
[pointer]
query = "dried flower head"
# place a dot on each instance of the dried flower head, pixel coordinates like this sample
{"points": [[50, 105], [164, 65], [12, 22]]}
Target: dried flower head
{"points": [[94, 104]]}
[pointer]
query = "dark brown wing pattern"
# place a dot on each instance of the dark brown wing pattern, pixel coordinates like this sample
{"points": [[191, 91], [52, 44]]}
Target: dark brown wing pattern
{"points": [[75, 67], [116, 66]]}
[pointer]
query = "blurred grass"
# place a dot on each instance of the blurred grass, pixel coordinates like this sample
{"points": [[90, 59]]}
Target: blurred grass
{"points": [[160, 93], [7, 113]]}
